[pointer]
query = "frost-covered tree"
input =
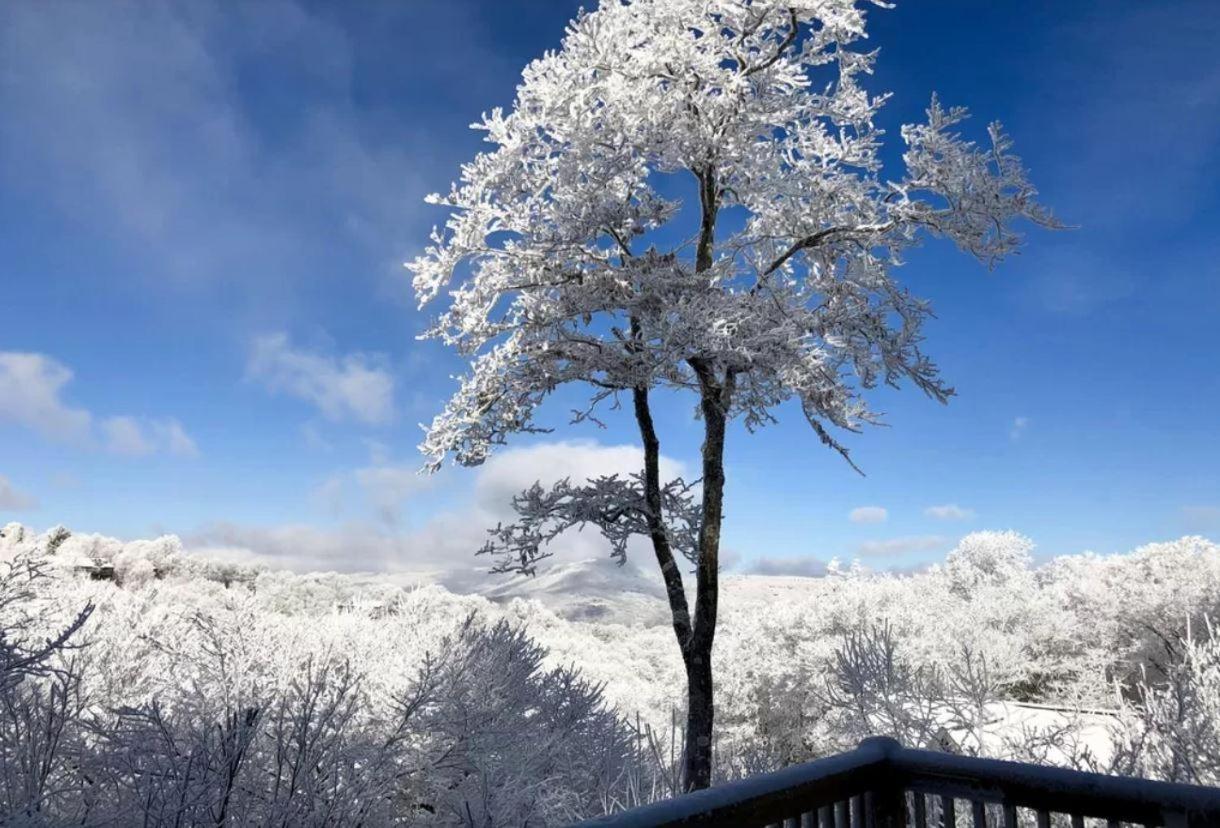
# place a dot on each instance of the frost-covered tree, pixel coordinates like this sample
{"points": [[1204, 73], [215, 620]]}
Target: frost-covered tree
{"points": [[1171, 730], [780, 288]]}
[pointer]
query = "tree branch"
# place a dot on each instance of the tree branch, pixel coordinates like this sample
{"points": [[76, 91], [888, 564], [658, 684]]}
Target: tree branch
{"points": [[674, 588], [814, 239], [789, 39]]}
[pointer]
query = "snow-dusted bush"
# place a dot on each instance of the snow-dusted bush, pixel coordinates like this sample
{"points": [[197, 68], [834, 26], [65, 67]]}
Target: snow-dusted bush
{"points": [[510, 742], [989, 560], [1171, 729]]}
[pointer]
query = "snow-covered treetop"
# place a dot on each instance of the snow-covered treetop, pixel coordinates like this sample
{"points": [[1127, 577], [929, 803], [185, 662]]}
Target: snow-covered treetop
{"points": [[549, 249], [989, 559]]}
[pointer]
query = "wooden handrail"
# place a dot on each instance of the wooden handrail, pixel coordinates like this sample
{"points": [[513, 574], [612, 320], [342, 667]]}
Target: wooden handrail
{"points": [[881, 784], [766, 798]]}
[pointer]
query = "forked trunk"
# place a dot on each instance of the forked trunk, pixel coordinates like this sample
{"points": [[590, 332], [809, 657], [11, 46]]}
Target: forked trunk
{"points": [[695, 638]]}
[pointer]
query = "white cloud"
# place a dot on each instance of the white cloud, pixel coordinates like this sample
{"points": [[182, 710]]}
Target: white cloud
{"points": [[949, 511], [383, 489], [136, 438], [173, 437], [868, 514], [30, 396], [12, 500], [509, 472], [388, 487], [899, 547], [124, 436], [349, 387], [1019, 425], [30, 386], [352, 548], [448, 541]]}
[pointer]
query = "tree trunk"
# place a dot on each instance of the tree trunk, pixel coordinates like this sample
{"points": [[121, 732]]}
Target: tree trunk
{"points": [[700, 719], [694, 639], [715, 397]]}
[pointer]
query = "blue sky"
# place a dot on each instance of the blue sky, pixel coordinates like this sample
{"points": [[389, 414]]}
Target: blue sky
{"points": [[207, 330]]}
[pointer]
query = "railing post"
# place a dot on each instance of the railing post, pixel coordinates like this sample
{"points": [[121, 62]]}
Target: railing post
{"points": [[889, 796], [890, 803]]}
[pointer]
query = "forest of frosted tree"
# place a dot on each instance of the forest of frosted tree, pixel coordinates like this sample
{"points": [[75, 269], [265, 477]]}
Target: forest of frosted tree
{"points": [[139, 682]]}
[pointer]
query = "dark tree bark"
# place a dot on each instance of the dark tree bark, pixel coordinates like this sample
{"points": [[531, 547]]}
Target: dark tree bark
{"points": [[672, 576], [695, 638], [715, 396]]}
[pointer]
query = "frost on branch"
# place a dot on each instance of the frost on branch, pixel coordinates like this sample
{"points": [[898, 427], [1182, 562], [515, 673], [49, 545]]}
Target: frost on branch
{"points": [[552, 262], [617, 507]]}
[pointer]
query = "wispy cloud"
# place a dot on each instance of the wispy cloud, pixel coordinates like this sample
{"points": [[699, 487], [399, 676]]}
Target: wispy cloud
{"points": [[868, 514], [351, 387], [1018, 428], [313, 438], [1144, 211], [138, 437], [13, 500], [949, 511], [900, 547], [31, 395], [139, 122], [1179, 97]]}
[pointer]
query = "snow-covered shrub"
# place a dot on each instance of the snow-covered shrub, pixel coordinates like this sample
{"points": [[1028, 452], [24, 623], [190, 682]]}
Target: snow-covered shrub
{"points": [[988, 559], [303, 755], [40, 696], [876, 689], [1171, 730], [511, 742]]}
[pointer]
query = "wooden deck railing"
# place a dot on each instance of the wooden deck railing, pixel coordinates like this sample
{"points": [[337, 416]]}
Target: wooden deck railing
{"points": [[881, 784]]}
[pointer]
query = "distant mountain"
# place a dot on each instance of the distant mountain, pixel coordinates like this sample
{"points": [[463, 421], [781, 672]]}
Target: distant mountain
{"points": [[595, 589]]}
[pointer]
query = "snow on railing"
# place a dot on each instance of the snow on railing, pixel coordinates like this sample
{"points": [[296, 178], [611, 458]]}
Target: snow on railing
{"points": [[881, 784]]}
